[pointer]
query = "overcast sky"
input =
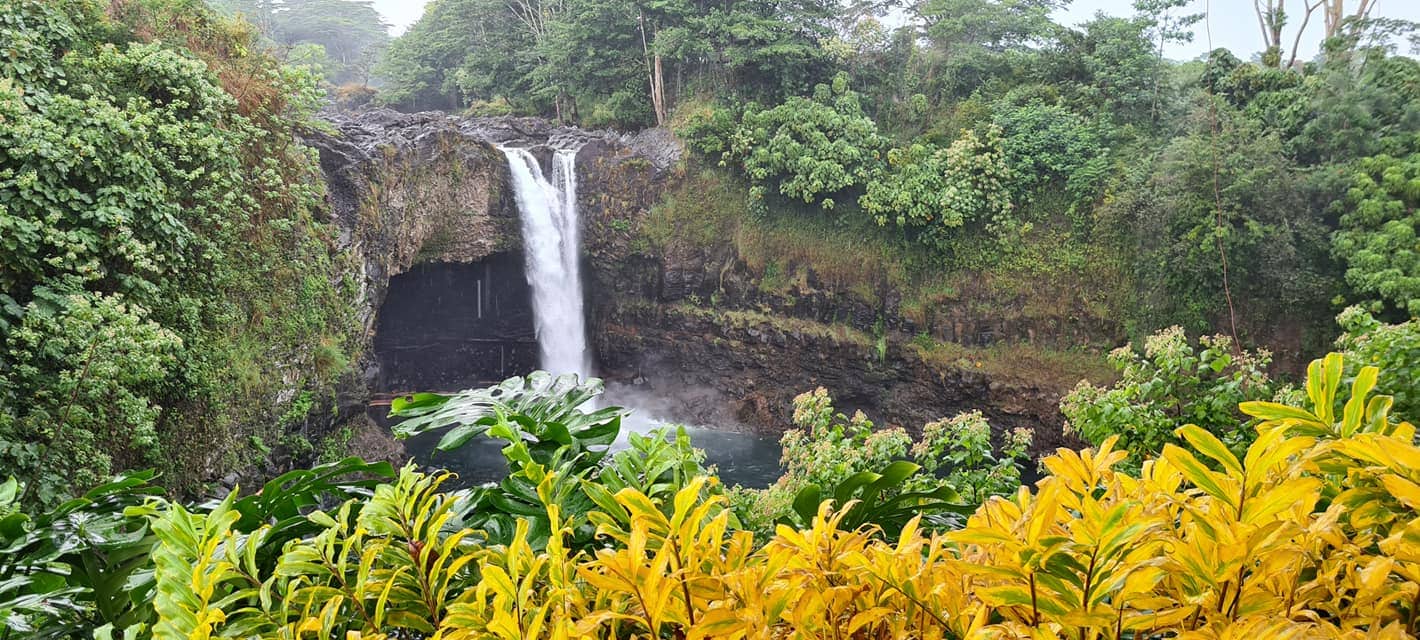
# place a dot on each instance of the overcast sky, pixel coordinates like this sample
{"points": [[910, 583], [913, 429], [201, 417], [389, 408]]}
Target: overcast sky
{"points": [[1233, 23]]}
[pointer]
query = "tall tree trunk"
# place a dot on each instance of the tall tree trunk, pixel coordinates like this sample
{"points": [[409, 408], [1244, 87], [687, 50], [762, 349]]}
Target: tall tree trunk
{"points": [[654, 74], [1297, 41], [1335, 13], [658, 92], [1271, 15], [1158, 69]]}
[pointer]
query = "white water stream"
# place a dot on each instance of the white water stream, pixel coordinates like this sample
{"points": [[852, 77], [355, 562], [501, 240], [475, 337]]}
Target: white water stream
{"points": [[552, 248]]}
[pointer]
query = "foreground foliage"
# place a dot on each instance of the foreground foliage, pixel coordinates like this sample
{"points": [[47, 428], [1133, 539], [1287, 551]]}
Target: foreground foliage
{"points": [[87, 567], [889, 477], [1312, 532], [554, 438]]}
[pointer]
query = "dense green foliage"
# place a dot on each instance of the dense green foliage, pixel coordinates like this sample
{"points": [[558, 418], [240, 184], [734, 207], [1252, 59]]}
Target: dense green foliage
{"points": [[1048, 144], [1171, 382], [152, 206], [808, 149], [1200, 543], [1235, 195], [935, 191], [1377, 234], [1394, 348]]}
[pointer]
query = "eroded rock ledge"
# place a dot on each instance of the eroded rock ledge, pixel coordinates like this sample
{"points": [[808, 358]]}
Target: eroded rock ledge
{"points": [[428, 187], [407, 189]]}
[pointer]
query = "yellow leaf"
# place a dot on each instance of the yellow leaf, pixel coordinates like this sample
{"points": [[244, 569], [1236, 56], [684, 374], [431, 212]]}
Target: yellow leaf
{"points": [[1209, 445], [1407, 492]]}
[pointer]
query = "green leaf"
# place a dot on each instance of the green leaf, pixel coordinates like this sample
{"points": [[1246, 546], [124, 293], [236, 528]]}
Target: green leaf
{"points": [[807, 501]]}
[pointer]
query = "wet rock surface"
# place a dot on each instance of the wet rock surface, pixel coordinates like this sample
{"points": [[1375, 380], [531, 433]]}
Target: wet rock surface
{"points": [[413, 188], [410, 189], [757, 367]]}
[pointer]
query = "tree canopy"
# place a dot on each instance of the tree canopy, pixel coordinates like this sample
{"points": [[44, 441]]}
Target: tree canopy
{"points": [[342, 38]]}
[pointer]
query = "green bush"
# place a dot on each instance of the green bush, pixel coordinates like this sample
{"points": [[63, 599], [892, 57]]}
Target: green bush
{"points": [[828, 446], [78, 387], [1171, 383], [935, 191], [1045, 144], [830, 454], [153, 199], [1230, 200], [1377, 236], [809, 150], [959, 450], [1394, 348]]}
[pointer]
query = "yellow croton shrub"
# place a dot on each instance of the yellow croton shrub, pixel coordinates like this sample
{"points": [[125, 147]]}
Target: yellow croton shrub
{"points": [[1312, 533]]}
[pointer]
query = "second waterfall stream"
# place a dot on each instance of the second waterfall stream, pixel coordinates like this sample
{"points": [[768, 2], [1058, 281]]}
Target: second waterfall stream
{"points": [[551, 241]]}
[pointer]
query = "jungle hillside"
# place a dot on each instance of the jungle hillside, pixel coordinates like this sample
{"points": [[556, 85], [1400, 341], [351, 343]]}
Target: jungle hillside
{"points": [[870, 319]]}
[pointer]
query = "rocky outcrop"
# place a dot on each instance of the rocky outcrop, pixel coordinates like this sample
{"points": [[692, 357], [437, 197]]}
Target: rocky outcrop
{"points": [[408, 189], [414, 188], [429, 189], [757, 364]]}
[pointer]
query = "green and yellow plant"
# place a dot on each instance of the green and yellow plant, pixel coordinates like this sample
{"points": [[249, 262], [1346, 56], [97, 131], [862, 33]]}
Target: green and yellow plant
{"points": [[1312, 532]]}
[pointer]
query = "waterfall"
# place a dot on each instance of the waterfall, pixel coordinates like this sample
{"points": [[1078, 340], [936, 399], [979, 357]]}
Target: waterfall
{"points": [[552, 248]]}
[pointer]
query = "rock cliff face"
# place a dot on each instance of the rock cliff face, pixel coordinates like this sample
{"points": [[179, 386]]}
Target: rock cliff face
{"points": [[411, 188], [418, 189], [758, 363], [424, 201]]}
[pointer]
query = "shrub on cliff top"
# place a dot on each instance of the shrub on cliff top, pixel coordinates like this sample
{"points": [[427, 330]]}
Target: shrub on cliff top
{"points": [[809, 150]]}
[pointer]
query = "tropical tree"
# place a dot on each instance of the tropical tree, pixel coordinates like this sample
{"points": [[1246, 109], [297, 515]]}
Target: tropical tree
{"points": [[1376, 239]]}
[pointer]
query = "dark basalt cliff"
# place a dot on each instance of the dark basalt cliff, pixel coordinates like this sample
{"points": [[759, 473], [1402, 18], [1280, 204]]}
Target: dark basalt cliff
{"points": [[414, 189], [409, 189]]}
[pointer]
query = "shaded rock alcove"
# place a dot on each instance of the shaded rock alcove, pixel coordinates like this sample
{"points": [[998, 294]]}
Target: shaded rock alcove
{"points": [[452, 326]]}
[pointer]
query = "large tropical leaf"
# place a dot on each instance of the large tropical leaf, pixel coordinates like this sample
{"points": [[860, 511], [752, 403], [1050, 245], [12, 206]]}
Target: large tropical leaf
{"points": [[82, 563], [542, 413], [873, 498]]}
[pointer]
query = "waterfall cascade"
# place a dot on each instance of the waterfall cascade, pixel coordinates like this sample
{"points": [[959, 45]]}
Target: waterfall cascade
{"points": [[552, 246], [547, 205]]}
